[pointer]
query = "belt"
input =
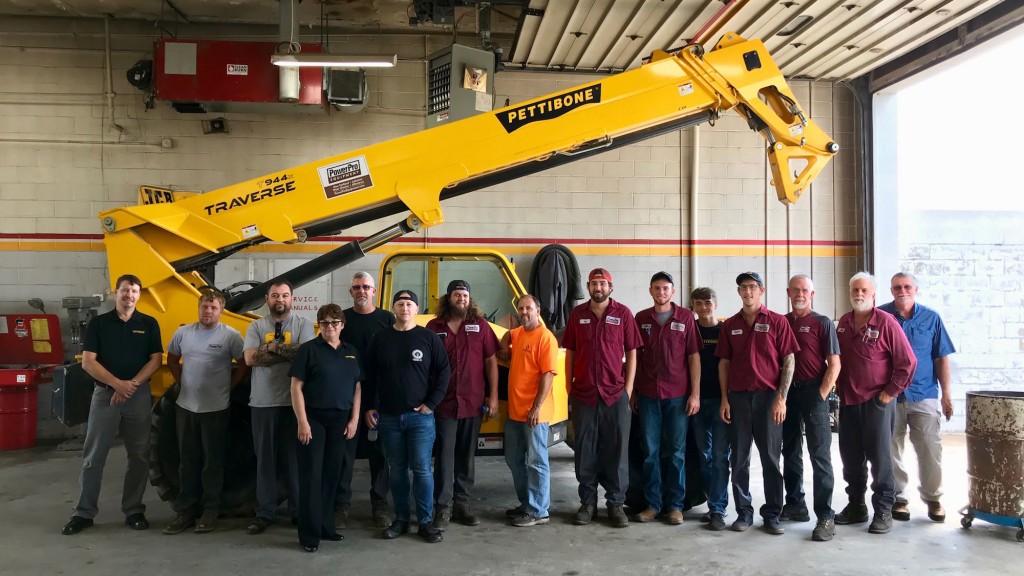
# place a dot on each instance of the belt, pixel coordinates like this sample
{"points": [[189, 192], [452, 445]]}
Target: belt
{"points": [[802, 383], [102, 385]]}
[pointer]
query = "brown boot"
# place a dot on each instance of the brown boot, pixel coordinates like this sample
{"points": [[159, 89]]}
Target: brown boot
{"points": [[935, 511], [647, 515]]}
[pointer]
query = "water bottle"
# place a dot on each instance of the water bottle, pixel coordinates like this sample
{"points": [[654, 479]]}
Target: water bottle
{"points": [[371, 435]]}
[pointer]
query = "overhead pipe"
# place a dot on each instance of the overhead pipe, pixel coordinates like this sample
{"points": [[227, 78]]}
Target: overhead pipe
{"points": [[109, 75], [694, 188], [288, 77]]}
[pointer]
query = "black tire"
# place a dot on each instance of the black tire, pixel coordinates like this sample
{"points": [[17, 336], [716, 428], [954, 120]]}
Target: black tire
{"points": [[966, 521], [239, 494]]}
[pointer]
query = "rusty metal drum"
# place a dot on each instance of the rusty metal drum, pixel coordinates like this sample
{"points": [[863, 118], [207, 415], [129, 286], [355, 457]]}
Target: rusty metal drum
{"points": [[995, 452]]}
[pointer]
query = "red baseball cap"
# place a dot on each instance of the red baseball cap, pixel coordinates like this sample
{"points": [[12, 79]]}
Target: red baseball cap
{"points": [[600, 274]]}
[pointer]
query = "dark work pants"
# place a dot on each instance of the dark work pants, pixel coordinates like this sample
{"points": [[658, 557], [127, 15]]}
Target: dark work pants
{"points": [[865, 435], [274, 431], [805, 409], [202, 439], [454, 459], [380, 481], [602, 440], [752, 422], [343, 496], [319, 470]]}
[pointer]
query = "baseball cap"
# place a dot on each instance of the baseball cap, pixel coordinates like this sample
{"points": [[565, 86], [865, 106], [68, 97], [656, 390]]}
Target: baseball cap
{"points": [[457, 285], [750, 276], [599, 273], [662, 276], [406, 295]]}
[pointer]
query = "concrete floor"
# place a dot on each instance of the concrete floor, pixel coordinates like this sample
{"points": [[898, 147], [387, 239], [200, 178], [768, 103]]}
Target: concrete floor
{"points": [[38, 488]]}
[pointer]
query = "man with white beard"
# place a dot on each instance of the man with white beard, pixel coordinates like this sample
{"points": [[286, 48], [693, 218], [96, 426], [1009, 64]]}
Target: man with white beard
{"points": [[877, 365]]}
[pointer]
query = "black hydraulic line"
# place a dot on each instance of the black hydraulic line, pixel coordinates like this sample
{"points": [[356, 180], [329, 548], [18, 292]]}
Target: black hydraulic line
{"points": [[317, 267]]}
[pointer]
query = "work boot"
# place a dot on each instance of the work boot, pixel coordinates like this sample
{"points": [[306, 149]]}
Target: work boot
{"points": [[648, 515], [854, 513], [341, 519], [901, 511], [706, 517], [463, 514], [881, 523], [717, 522], [257, 526], [430, 533], [515, 512], [824, 530], [206, 524], [396, 529], [442, 516], [742, 523], [617, 516], [584, 515], [381, 517], [794, 513], [180, 523], [137, 521], [935, 511], [674, 517], [773, 526]]}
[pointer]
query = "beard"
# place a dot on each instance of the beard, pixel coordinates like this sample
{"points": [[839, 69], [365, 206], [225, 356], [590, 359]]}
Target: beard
{"points": [[861, 305], [801, 305]]}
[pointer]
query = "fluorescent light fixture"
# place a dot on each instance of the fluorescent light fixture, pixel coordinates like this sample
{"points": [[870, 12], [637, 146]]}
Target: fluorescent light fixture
{"points": [[334, 60]]}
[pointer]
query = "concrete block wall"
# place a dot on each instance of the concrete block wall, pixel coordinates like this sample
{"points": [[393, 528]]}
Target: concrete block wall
{"points": [[970, 268], [627, 209]]}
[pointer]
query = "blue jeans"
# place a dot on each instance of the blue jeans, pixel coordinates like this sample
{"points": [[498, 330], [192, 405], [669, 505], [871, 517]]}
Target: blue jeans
{"points": [[712, 437], [526, 453], [657, 418], [408, 439]]}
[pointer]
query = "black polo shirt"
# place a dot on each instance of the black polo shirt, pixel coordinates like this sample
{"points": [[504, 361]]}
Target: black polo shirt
{"points": [[328, 374], [123, 348]]}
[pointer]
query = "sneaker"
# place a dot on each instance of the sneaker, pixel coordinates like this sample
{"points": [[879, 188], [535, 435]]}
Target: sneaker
{"points": [[852, 514], [617, 516], [741, 524], [463, 514], [794, 513], [442, 516], [824, 530], [430, 533], [76, 525], [180, 523], [206, 524], [584, 515], [137, 521], [515, 512], [706, 517], [257, 526], [674, 517], [381, 517], [881, 523], [341, 520], [526, 520], [717, 522], [772, 525], [901, 511], [396, 529], [648, 515], [935, 511]]}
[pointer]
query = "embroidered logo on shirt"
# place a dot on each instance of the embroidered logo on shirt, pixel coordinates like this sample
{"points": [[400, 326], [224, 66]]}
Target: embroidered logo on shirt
{"points": [[417, 355], [472, 327], [737, 332], [870, 336], [646, 328], [138, 331], [613, 320], [584, 320], [678, 326], [214, 346], [840, 329], [805, 329], [760, 328]]}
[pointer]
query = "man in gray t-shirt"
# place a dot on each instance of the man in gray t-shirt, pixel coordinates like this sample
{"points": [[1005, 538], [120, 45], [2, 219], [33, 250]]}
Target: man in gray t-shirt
{"points": [[199, 357], [270, 345]]}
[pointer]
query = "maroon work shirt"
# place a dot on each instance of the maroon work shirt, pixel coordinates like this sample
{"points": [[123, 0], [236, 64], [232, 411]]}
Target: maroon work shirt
{"points": [[599, 344], [466, 350], [875, 358], [816, 336], [663, 364], [755, 352]]}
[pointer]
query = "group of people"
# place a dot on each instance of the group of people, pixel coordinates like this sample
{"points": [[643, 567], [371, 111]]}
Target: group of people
{"points": [[376, 382]]}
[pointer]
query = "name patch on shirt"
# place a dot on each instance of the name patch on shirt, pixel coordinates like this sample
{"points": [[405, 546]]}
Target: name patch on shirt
{"points": [[138, 331], [613, 320], [472, 327], [737, 332], [805, 329], [584, 320], [760, 327], [678, 326]]}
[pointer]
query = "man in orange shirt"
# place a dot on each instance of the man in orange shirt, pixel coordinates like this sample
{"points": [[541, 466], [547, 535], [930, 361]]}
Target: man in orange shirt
{"points": [[534, 356]]}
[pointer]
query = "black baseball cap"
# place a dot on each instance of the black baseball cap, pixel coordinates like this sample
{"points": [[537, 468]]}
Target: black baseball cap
{"points": [[750, 276], [457, 285], [405, 295], [662, 276]]}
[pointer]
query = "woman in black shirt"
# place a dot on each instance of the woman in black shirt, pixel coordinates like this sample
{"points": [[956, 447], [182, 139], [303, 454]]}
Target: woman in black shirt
{"points": [[325, 396]]}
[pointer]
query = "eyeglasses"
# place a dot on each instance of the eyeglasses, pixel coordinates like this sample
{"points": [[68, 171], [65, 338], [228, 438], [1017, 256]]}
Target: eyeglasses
{"points": [[366, 287], [331, 323]]}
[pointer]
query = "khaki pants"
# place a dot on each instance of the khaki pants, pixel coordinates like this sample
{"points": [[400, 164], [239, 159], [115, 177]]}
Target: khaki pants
{"points": [[922, 420]]}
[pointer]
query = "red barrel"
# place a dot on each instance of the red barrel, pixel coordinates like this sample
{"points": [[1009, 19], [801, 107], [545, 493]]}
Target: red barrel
{"points": [[19, 397]]}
